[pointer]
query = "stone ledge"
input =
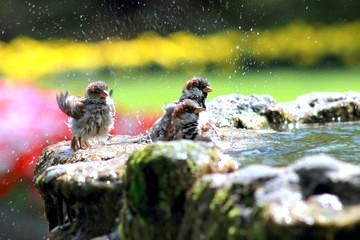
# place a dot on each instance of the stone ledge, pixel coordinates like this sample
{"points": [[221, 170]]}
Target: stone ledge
{"points": [[82, 190], [190, 190], [262, 111]]}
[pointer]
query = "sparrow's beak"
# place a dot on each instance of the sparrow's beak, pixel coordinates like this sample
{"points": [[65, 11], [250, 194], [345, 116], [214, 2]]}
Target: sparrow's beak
{"points": [[207, 89], [104, 94], [199, 110]]}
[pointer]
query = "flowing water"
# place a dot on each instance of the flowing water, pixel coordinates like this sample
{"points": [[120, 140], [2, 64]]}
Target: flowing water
{"points": [[341, 140]]}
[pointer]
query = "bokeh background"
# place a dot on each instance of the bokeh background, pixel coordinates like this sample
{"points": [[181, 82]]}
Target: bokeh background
{"points": [[146, 50]]}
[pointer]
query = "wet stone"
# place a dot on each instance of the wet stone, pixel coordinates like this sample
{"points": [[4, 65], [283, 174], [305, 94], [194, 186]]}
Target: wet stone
{"points": [[262, 111], [324, 107], [276, 203], [156, 182], [251, 112], [85, 191], [191, 190], [82, 190], [125, 189]]}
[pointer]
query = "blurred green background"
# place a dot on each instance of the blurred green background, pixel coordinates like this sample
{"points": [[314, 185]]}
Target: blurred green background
{"points": [[146, 50]]}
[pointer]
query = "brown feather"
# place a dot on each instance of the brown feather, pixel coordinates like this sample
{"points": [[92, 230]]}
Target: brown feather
{"points": [[71, 106], [196, 82]]}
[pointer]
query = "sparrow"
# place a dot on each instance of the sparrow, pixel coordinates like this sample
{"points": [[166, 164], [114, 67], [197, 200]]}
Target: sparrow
{"points": [[160, 127], [184, 121], [195, 89], [90, 116]]}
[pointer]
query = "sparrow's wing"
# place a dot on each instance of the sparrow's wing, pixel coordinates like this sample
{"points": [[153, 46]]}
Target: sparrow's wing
{"points": [[166, 119], [164, 127], [160, 129], [174, 132], [71, 106]]}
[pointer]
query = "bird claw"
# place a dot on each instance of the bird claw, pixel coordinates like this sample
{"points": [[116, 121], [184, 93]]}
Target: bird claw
{"points": [[75, 145], [85, 144]]}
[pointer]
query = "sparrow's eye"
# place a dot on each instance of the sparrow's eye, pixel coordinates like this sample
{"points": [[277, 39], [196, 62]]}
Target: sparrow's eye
{"points": [[190, 110]]}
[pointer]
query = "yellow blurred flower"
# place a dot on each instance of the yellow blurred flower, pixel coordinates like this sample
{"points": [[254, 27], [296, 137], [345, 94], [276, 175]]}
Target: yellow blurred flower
{"points": [[301, 44]]}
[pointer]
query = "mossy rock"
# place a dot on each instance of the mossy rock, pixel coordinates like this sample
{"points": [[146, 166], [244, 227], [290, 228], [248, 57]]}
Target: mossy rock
{"points": [[156, 182], [315, 198], [223, 206]]}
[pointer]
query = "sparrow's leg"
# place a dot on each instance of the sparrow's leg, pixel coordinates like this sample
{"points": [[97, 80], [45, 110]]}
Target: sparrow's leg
{"points": [[86, 143], [82, 144], [75, 145]]}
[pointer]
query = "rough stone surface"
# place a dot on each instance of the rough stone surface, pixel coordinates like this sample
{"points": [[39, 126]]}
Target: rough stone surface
{"points": [[191, 190], [316, 198], [324, 107], [82, 190], [156, 181], [261, 111], [254, 112]]}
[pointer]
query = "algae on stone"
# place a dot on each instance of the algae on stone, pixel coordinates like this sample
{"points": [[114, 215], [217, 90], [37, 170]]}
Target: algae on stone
{"points": [[156, 182], [307, 200]]}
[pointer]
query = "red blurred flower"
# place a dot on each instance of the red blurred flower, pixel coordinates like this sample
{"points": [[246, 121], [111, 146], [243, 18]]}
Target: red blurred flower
{"points": [[30, 120]]}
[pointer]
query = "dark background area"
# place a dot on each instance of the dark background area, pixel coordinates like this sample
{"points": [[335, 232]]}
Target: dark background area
{"points": [[98, 19]]}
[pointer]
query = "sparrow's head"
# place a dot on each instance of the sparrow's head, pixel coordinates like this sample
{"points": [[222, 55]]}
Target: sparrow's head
{"points": [[97, 90], [198, 82], [194, 94], [187, 108]]}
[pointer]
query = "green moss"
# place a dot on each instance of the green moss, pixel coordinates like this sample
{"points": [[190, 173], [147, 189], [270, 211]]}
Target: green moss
{"points": [[137, 190], [219, 199], [198, 191], [256, 232], [74, 228], [156, 181], [234, 213]]}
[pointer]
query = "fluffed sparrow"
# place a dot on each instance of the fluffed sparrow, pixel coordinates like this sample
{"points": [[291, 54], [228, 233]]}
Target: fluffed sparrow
{"points": [[184, 121], [195, 89], [160, 128], [90, 116]]}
